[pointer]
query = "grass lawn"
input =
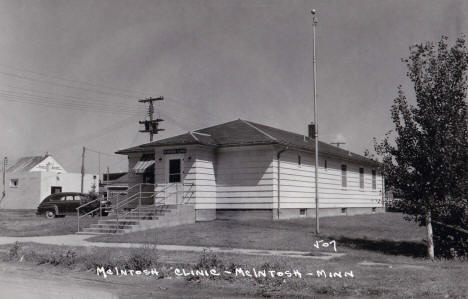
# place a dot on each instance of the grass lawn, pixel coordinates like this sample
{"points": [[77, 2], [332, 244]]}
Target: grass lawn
{"points": [[15, 224], [388, 233]]}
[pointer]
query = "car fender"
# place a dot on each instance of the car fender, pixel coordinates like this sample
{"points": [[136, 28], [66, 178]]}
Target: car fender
{"points": [[52, 207]]}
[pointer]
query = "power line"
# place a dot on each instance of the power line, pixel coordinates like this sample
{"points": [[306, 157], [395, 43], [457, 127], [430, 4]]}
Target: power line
{"points": [[87, 99], [104, 131], [85, 103], [35, 101], [128, 92], [45, 99], [173, 100], [64, 85], [68, 102], [102, 153]]}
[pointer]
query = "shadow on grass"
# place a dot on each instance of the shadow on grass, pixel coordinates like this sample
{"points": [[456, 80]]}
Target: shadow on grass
{"points": [[406, 248]]}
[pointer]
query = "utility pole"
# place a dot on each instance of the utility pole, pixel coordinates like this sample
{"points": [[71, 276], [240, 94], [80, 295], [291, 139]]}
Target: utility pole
{"points": [[317, 213], [338, 143], [82, 168], [151, 125], [5, 163], [99, 168]]}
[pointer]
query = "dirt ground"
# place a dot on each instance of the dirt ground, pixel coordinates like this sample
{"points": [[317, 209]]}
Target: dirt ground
{"points": [[23, 281]]}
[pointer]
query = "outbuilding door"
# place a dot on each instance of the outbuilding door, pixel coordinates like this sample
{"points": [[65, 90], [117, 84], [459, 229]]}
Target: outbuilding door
{"points": [[55, 189], [174, 178]]}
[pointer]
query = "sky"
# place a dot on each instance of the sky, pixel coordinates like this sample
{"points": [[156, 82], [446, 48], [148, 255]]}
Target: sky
{"points": [[71, 72]]}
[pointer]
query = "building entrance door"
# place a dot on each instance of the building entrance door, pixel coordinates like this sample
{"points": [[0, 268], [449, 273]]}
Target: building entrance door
{"points": [[174, 179]]}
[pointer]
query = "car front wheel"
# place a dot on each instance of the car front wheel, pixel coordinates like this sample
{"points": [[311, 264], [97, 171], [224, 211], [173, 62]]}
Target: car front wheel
{"points": [[50, 214]]}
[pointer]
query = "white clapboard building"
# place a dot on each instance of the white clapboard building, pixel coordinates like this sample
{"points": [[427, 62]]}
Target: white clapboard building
{"points": [[31, 179], [245, 169]]}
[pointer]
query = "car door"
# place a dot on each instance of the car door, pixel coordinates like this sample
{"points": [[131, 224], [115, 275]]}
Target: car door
{"points": [[67, 202], [60, 203], [75, 203]]}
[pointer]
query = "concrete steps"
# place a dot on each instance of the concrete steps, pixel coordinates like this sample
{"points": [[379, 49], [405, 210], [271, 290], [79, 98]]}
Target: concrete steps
{"points": [[143, 218]]}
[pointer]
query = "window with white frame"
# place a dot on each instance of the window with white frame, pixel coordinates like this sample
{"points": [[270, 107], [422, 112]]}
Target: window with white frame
{"points": [[344, 180], [361, 178], [374, 179], [14, 183]]}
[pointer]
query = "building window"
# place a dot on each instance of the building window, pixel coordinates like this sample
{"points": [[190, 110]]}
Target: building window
{"points": [[14, 183], [299, 160], [361, 178], [174, 171], [344, 182], [374, 179], [325, 165]]}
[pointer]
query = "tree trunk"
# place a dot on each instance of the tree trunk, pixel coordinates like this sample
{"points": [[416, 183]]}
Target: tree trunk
{"points": [[430, 240]]}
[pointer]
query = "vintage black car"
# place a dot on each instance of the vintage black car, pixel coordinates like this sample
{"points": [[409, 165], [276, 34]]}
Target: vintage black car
{"points": [[62, 203]]}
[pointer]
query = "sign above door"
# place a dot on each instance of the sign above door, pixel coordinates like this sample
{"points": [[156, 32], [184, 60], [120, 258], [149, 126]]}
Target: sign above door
{"points": [[174, 151]]}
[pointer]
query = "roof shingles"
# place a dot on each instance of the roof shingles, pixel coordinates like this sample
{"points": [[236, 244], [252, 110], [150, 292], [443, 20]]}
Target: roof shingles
{"points": [[241, 132], [25, 163]]}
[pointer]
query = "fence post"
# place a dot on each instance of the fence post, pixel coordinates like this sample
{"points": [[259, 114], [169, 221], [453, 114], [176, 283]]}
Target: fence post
{"points": [[117, 210], [139, 203], [78, 214], [100, 208]]}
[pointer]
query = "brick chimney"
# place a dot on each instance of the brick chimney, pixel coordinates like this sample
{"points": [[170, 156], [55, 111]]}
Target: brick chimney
{"points": [[312, 130]]}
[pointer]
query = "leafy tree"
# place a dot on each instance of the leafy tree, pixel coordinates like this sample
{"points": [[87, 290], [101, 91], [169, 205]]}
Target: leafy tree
{"points": [[427, 164]]}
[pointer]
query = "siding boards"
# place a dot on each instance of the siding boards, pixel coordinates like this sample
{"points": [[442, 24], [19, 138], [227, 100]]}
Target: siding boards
{"points": [[244, 179], [205, 180], [297, 184], [240, 178]]}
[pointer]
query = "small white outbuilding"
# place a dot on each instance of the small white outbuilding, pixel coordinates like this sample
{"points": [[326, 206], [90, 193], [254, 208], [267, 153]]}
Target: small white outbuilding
{"points": [[31, 179]]}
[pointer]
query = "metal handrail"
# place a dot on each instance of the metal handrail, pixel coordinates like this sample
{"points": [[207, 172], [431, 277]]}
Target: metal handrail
{"points": [[88, 203], [120, 205], [172, 184], [128, 212], [131, 199], [183, 191], [92, 211]]}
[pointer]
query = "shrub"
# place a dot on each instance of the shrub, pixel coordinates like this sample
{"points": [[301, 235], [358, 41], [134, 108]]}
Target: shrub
{"points": [[269, 283], [450, 243], [209, 260], [14, 252], [135, 259], [142, 258], [66, 258]]}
